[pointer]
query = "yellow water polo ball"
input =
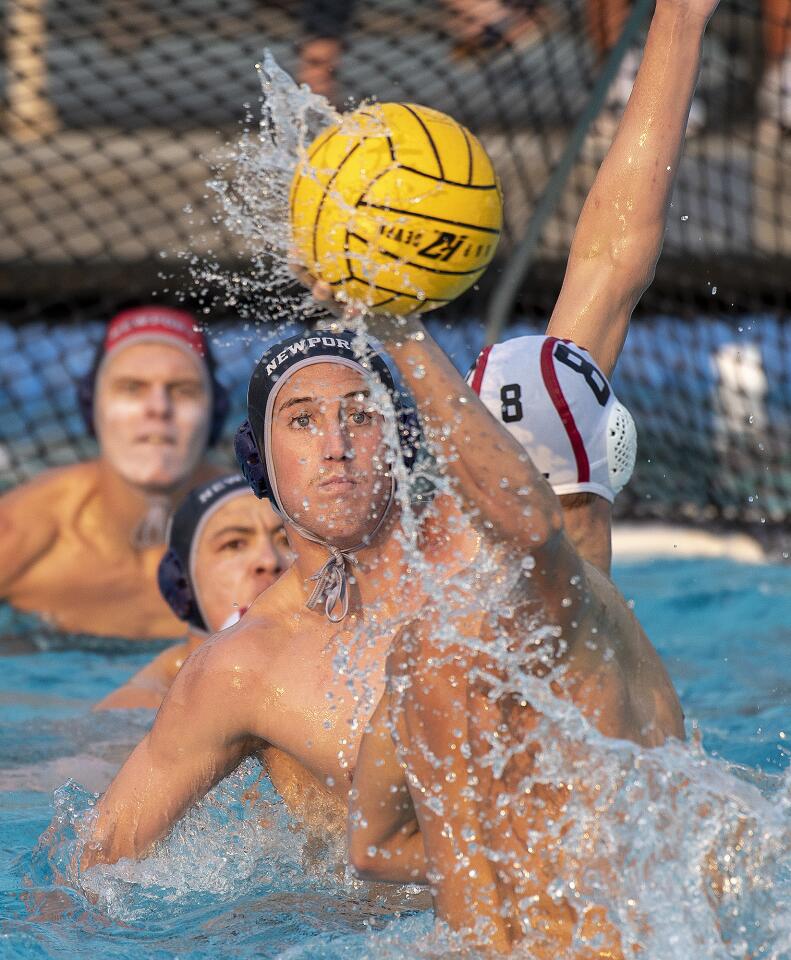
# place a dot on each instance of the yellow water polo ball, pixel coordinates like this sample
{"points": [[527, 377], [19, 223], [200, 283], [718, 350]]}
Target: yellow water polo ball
{"points": [[397, 206]]}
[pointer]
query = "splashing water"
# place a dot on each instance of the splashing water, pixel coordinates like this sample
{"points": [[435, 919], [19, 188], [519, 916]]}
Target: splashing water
{"points": [[692, 855], [688, 855], [236, 862], [252, 182]]}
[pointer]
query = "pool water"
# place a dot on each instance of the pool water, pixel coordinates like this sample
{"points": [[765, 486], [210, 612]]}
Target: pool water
{"points": [[236, 878]]}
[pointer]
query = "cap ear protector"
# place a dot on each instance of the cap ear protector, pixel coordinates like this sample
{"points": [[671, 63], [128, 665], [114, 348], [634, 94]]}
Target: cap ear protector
{"points": [[249, 460], [175, 587], [248, 440], [221, 401]]}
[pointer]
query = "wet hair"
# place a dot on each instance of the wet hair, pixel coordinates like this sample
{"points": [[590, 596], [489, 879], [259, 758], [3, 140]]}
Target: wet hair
{"points": [[175, 575]]}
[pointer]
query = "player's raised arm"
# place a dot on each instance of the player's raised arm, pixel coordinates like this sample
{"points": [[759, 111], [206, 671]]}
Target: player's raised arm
{"points": [[499, 485], [620, 231], [198, 737]]}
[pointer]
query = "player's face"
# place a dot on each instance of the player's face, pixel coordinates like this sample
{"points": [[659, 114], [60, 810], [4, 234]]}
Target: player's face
{"points": [[242, 551], [152, 414], [328, 450]]}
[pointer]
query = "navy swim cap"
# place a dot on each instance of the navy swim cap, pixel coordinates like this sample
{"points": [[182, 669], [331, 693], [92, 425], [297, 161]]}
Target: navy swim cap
{"points": [[252, 442], [175, 574], [280, 361]]}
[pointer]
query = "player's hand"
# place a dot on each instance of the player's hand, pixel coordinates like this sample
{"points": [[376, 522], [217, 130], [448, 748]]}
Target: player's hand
{"points": [[320, 291], [382, 326], [699, 9]]}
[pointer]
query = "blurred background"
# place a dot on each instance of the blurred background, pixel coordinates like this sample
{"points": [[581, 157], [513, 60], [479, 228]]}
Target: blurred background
{"points": [[114, 113]]}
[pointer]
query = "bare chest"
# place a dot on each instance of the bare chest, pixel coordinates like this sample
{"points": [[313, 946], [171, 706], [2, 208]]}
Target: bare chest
{"points": [[85, 585], [319, 694]]}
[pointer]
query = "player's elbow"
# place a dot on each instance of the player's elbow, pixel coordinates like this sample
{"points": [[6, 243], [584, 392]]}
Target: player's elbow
{"points": [[389, 858], [368, 860], [525, 513], [633, 265], [538, 524]]}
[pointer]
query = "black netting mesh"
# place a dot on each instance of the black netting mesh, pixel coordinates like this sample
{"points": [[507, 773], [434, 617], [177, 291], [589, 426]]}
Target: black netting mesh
{"points": [[113, 109]]}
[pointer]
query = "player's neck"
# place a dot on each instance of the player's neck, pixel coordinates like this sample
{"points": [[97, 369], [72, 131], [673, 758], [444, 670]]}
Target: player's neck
{"points": [[193, 641], [375, 577], [121, 506]]}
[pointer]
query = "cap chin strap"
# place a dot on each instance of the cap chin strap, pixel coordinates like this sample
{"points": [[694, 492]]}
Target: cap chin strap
{"points": [[332, 587], [152, 529], [331, 584]]}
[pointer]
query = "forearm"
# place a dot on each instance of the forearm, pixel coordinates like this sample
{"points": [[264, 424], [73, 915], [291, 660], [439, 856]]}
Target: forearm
{"points": [[150, 793], [627, 204], [495, 478], [400, 858], [133, 814], [620, 231]]}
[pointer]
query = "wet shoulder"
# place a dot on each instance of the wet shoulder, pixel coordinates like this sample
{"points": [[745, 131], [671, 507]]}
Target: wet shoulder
{"points": [[34, 515], [237, 653], [53, 490]]}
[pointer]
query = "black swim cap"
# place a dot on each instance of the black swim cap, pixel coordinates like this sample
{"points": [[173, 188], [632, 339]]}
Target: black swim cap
{"points": [[253, 438], [175, 574], [280, 361]]}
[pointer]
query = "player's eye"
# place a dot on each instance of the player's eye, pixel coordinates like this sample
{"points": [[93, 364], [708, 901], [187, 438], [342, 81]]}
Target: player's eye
{"points": [[189, 391], [360, 417], [132, 387], [301, 421], [279, 537], [233, 545]]}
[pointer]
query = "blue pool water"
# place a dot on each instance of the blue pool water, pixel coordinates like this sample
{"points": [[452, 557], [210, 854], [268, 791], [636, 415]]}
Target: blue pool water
{"points": [[236, 879]]}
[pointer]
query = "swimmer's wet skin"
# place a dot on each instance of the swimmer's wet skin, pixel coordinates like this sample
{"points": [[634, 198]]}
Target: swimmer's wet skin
{"points": [[598, 658], [225, 547], [268, 685], [597, 655], [80, 545]]}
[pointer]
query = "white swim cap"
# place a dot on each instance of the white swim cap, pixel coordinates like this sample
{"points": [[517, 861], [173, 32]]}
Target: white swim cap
{"points": [[560, 407]]}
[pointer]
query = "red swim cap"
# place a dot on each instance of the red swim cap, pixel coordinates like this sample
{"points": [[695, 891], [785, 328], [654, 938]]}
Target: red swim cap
{"points": [[154, 323]]}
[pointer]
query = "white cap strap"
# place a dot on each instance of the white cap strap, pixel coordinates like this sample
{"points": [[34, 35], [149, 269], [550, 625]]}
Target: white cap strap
{"points": [[331, 584]]}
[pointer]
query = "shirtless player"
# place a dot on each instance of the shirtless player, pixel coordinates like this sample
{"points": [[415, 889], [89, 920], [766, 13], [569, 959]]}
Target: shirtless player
{"points": [[426, 800], [268, 686], [80, 545], [224, 548]]}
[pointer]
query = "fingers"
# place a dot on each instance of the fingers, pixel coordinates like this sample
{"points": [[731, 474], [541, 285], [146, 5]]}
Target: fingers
{"points": [[319, 290], [301, 274]]}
